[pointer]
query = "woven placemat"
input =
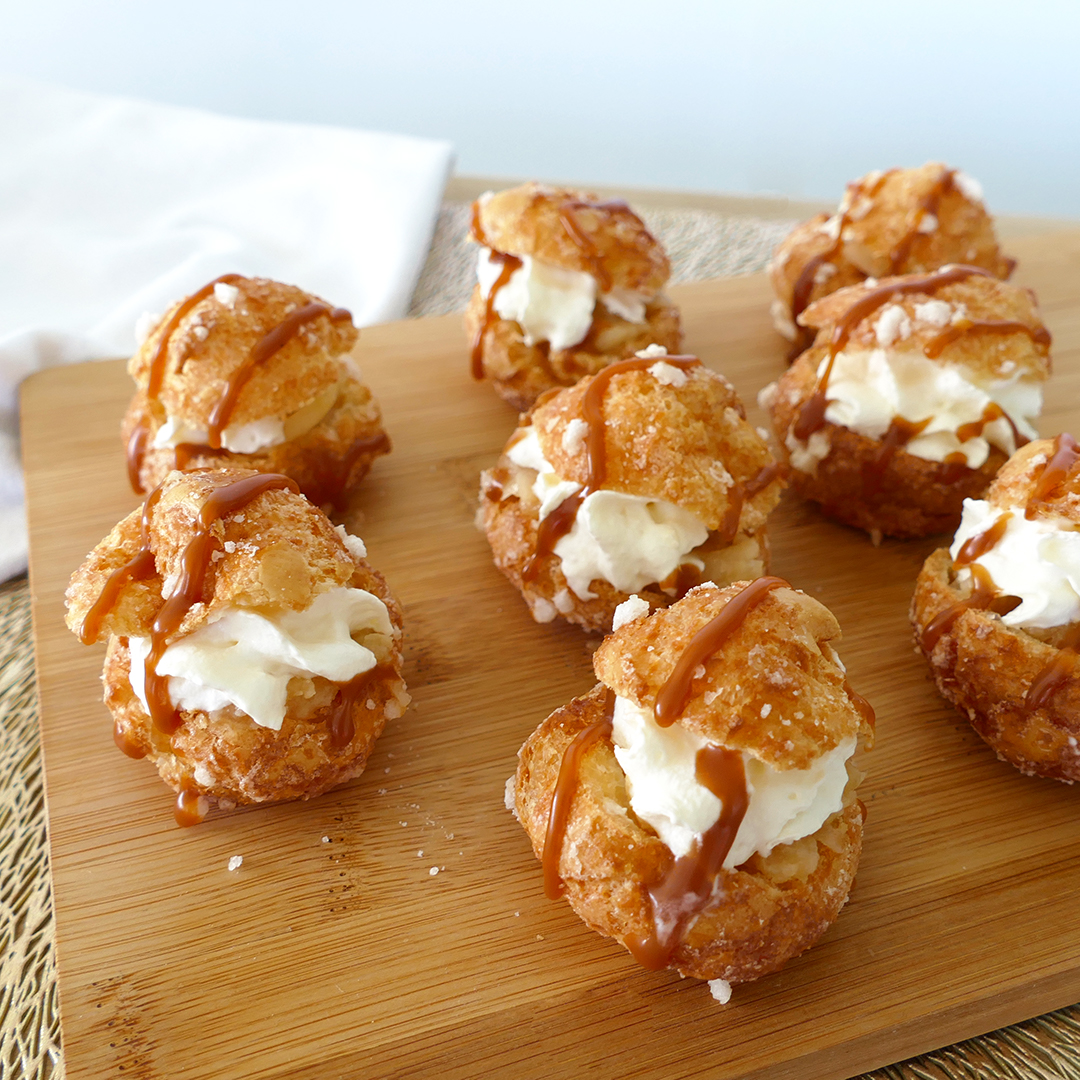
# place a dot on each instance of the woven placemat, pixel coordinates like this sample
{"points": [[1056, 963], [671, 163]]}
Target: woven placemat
{"points": [[702, 245]]}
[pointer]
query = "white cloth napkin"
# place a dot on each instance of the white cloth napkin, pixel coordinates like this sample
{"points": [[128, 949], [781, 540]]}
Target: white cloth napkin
{"points": [[110, 208]]}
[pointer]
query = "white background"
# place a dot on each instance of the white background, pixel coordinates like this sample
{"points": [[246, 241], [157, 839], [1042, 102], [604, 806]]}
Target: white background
{"points": [[775, 96]]}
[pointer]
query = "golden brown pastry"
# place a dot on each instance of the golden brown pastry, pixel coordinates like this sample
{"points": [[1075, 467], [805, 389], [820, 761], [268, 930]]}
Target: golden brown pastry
{"points": [[253, 654], [250, 373], [645, 478], [916, 390], [997, 614], [699, 804], [568, 284], [903, 221]]}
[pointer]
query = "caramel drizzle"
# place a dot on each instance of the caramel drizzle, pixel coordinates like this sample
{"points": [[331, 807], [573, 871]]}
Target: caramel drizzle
{"points": [[901, 431], [934, 348], [138, 568], [992, 412], [862, 706], [339, 720], [510, 263], [928, 204], [269, 344], [675, 692], [584, 241], [125, 745], [975, 547], [1056, 673], [186, 810], [561, 520], [1054, 473], [811, 416], [157, 360], [563, 799], [739, 494], [686, 890], [804, 283], [984, 596]]}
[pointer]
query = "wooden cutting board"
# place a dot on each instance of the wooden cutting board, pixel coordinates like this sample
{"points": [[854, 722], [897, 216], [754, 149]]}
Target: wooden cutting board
{"points": [[337, 950]]}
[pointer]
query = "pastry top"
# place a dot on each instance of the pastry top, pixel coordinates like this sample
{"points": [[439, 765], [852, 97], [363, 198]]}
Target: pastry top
{"points": [[1019, 478], [944, 323], [899, 221], [275, 553], [216, 337], [673, 433], [532, 220], [774, 689]]}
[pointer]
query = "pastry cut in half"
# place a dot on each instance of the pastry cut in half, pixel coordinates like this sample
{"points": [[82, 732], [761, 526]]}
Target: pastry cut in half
{"points": [[568, 283], [915, 392], [997, 614], [250, 373], [901, 221], [645, 478], [699, 804], [253, 654]]}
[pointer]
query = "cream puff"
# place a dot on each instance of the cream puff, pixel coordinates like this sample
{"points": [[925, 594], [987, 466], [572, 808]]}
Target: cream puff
{"points": [[253, 654], [915, 392], [997, 614], [903, 221], [251, 373], [645, 478], [699, 804], [568, 283]]}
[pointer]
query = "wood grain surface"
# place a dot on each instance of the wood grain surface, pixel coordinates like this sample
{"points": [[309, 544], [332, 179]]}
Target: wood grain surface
{"points": [[335, 950]]}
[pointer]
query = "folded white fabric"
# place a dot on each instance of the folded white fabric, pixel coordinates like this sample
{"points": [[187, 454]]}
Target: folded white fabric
{"points": [[110, 208]]}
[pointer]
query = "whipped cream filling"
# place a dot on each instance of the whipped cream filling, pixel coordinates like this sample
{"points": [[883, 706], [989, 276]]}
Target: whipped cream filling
{"points": [[240, 439], [553, 304], [628, 540], [1038, 561], [245, 659], [660, 767], [869, 388], [254, 436]]}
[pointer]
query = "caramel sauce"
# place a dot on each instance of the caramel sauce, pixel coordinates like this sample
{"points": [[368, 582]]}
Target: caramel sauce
{"points": [[157, 360], [982, 598], [975, 547], [862, 706], [928, 204], [584, 241], [1056, 673], [139, 567], [954, 468], [187, 811], [269, 344], [510, 263], [811, 416], [339, 721], [673, 695], [136, 452], [934, 348], [125, 745], [899, 434], [561, 520], [738, 496], [804, 283], [475, 227], [686, 890], [1054, 473], [563, 798]]}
